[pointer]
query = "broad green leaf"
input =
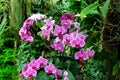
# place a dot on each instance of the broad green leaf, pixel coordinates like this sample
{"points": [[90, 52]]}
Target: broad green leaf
{"points": [[88, 9], [53, 53], [70, 75], [74, 69], [42, 76], [105, 8], [115, 68]]}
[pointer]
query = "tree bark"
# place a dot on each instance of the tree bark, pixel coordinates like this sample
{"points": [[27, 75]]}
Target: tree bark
{"points": [[111, 38]]}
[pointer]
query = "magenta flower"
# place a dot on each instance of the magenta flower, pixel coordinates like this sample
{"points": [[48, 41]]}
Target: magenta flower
{"points": [[76, 40], [72, 31], [30, 73], [66, 38], [42, 61], [49, 23], [34, 64], [24, 32], [58, 45], [65, 73], [90, 52], [73, 34], [46, 34], [58, 73], [67, 17], [81, 55], [50, 69], [24, 29], [66, 78], [66, 23], [27, 38], [77, 43], [82, 36], [25, 68], [58, 31], [28, 21], [47, 29]]}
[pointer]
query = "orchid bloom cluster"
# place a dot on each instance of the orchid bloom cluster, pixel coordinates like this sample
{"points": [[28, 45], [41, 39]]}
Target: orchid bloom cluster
{"points": [[24, 32], [84, 55], [63, 35], [30, 69]]}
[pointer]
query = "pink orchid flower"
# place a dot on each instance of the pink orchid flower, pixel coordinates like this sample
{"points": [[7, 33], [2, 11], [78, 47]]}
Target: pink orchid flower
{"points": [[50, 69]]}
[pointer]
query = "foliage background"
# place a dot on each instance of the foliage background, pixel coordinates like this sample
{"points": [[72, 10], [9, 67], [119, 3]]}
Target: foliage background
{"points": [[99, 17]]}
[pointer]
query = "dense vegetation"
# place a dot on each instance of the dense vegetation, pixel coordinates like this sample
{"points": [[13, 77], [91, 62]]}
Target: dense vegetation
{"points": [[99, 20]]}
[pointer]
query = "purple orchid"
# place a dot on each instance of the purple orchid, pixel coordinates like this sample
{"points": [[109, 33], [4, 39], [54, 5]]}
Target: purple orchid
{"points": [[77, 43], [83, 36], [76, 40], [65, 75], [66, 24], [59, 31], [58, 45], [24, 31], [25, 68], [42, 61], [72, 31], [81, 55], [50, 69], [46, 34], [34, 64], [58, 73], [67, 17], [90, 52], [30, 73], [47, 29], [49, 23], [66, 38], [66, 78]]}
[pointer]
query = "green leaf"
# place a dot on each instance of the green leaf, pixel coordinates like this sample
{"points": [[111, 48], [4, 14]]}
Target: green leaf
{"points": [[74, 69], [3, 25], [7, 55], [57, 61], [70, 75], [105, 8], [42, 76], [88, 9], [53, 53], [115, 68]]}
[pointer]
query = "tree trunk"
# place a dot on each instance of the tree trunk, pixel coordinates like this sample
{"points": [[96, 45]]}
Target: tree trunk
{"points": [[111, 34]]}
